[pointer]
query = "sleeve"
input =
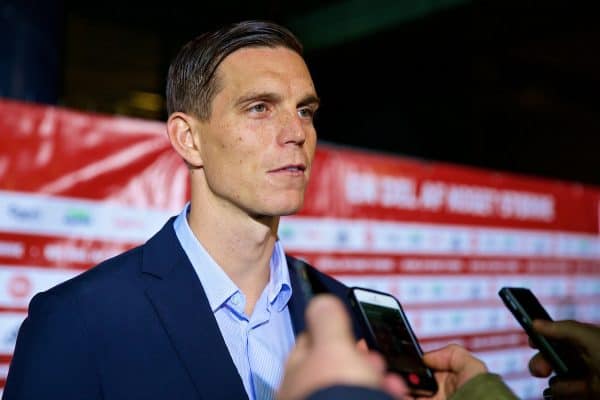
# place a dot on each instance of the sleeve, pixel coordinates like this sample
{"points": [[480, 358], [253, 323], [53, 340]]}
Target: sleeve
{"points": [[343, 392], [52, 357], [484, 386]]}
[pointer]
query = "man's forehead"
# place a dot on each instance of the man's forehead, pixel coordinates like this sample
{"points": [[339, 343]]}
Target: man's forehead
{"points": [[263, 57], [253, 67]]}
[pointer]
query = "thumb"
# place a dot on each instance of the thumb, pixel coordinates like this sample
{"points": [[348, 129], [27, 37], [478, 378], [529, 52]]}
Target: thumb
{"points": [[328, 322], [441, 359], [456, 359]]}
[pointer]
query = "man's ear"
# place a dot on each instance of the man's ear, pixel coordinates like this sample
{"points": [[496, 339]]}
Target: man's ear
{"points": [[180, 128]]}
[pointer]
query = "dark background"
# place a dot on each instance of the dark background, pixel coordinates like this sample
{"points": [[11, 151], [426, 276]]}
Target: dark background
{"points": [[507, 85]]}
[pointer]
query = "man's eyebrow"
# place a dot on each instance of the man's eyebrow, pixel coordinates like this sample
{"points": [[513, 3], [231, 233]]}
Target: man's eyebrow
{"points": [[274, 98], [309, 99], [254, 96]]}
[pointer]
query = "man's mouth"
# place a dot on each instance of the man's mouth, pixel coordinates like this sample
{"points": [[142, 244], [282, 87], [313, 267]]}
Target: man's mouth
{"points": [[291, 168]]}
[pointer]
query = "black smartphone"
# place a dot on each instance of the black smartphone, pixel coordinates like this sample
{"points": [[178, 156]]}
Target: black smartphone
{"points": [[525, 307], [386, 330]]}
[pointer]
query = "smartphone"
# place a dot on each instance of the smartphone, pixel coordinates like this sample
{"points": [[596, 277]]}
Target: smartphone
{"points": [[525, 307], [386, 330]]}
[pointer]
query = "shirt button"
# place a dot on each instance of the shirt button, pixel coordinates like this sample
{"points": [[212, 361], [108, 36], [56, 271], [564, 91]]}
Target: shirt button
{"points": [[235, 299]]}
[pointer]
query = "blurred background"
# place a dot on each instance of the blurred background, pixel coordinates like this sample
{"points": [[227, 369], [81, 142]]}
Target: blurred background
{"points": [[459, 152], [502, 84]]}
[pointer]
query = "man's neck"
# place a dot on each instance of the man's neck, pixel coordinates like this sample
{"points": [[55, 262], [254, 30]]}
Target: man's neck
{"points": [[241, 245]]}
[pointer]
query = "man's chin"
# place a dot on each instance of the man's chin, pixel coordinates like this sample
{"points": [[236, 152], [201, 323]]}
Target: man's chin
{"points": [[287, 203], [291, 209], [282, 210]]}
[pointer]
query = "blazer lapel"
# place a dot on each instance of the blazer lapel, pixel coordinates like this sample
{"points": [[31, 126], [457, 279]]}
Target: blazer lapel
{"points": [[303, 275], [298, 301], [182, 306], [304, 286]]}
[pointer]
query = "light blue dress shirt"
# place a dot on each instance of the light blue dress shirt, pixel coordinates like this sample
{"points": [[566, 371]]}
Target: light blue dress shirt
{"points": [[259, 343]]}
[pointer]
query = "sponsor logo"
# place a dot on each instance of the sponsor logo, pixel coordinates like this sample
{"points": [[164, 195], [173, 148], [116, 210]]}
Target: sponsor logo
{"points": [[11, 249], [457, 320], [438, 290], [10, 338], [286, 233], [438, 321], [475, 292], [22, 213], [68, 253], [369, 238], [456, 243], [415, 291], [342, 237], [415, 239], [393, 238], [19, 286], [77, 216], [128, 223], [493, 320], [313, 233]]}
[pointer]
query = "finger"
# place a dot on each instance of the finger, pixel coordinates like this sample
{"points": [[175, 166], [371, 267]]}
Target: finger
{"points": [[453, 358], [376, 361], [328, 322], [456, 361], [538, 366], [573, 331], [394, 386], [302, 342], [299, 351], [575, 389], [361, 346], [440, 359]]}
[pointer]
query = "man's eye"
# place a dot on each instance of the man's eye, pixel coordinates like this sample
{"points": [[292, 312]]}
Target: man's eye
{"points": [[259, 108], [306, 112]]}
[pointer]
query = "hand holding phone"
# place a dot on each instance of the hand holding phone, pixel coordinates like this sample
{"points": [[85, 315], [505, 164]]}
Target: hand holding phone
{"points": [[585, 338], [326, 355], [388, 331], [564, 358]]}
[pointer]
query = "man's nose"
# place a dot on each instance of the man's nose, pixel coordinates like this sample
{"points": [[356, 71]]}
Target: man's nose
{"points": [[293, 129]]}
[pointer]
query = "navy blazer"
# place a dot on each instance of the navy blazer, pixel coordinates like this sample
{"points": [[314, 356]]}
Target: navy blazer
{"points": [[137, 326]]}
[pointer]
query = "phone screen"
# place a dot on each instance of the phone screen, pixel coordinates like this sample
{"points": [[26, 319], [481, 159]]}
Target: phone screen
{"points": [[389, 332], [393, 338], [526, 308]]}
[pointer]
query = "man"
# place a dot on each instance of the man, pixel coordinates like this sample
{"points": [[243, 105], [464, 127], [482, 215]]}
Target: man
{"points": [[327, 365], [209, 307]]}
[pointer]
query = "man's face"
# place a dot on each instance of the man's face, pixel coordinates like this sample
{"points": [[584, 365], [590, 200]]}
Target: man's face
{"points": [[258, 145]]}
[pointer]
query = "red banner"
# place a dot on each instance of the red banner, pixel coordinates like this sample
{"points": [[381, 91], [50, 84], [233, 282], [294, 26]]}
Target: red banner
{"points": [[76, 188], [384, 187]]}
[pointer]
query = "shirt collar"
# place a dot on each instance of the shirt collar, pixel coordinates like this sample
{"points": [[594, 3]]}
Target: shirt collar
{"points": [[215, 282], [279, 287], [217, 285]]}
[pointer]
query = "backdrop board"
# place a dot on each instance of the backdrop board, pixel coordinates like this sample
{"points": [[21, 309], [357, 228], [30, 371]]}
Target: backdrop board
{"points": [[76, 188]]}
